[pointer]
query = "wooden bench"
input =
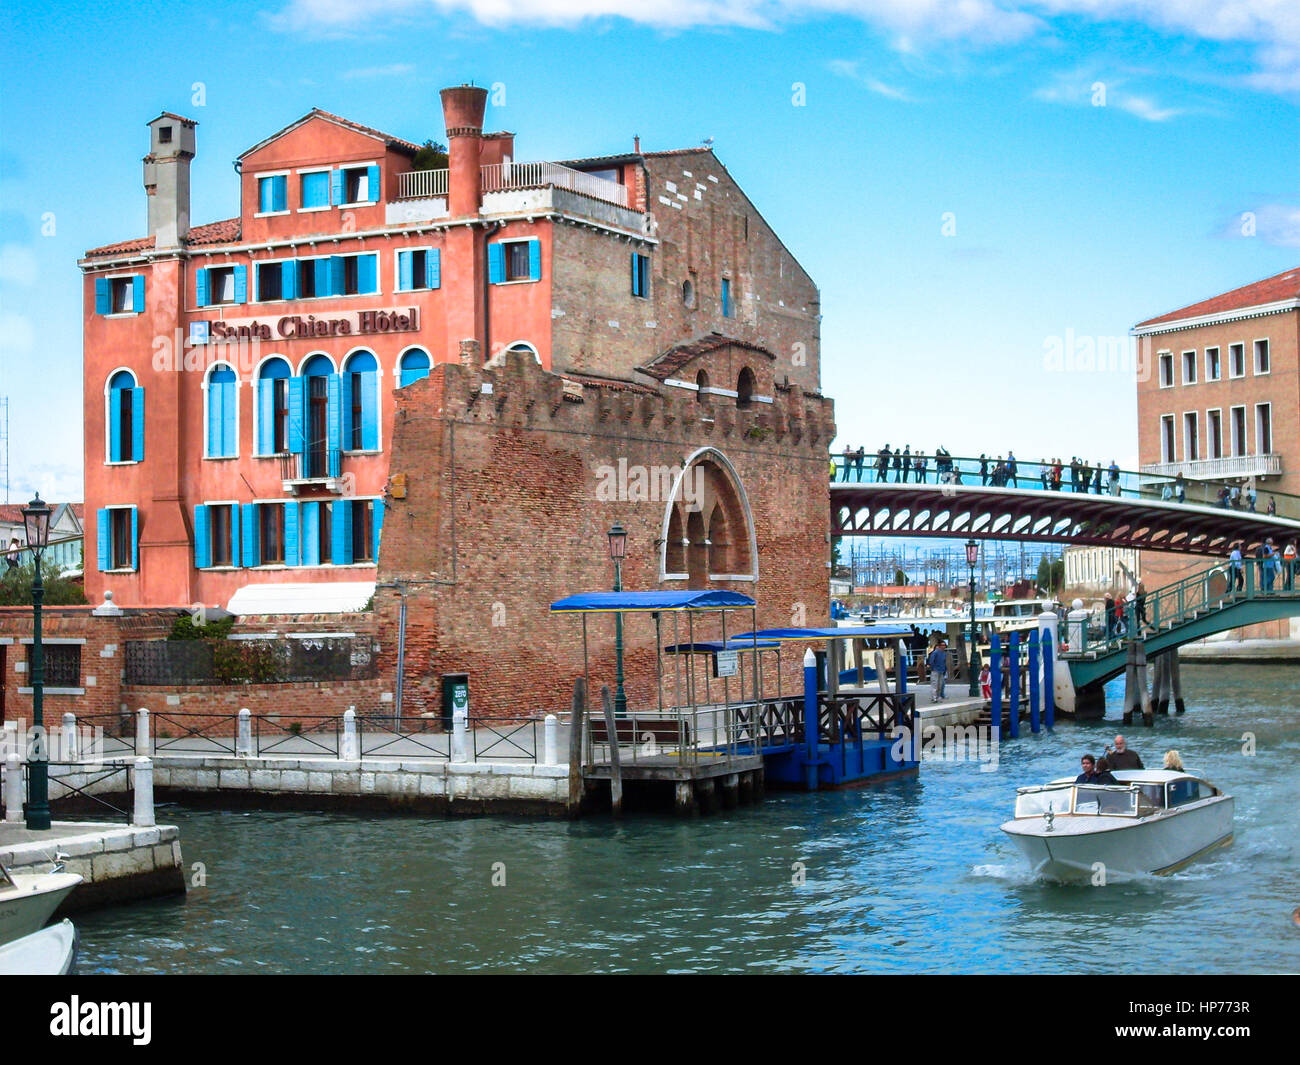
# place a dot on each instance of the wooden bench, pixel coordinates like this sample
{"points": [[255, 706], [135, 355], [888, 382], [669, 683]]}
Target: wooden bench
{"points": [[635, 730]]}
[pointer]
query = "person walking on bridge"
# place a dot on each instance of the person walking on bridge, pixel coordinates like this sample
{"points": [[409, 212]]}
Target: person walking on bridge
{"points": [[938, 663], [898, 466], [1011, 468], [1288, 566], [1114, 477], [1236, 563], [882, 464], [984, 469], [1180, 487]]}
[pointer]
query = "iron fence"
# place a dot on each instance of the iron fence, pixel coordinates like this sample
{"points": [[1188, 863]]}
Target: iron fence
{"points": [[261, 661]]}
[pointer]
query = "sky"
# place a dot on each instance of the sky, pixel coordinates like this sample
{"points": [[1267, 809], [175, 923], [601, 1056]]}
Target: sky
{"points": [[973, 184]]}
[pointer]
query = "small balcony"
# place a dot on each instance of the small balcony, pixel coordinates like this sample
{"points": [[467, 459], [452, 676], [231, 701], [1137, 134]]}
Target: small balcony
{"points": [[316, 466], [501, 176], [1235, 466]]}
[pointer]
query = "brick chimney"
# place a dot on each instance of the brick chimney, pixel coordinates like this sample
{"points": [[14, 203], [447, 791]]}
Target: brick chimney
{"points": [[167, 178], [462, 111]]}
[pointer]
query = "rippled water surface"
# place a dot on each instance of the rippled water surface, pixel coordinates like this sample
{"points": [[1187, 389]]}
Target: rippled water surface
{"points": [[910, 876]]}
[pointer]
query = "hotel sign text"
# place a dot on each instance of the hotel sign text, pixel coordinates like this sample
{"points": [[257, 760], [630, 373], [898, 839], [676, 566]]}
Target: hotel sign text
{"points": [[305, 326]]}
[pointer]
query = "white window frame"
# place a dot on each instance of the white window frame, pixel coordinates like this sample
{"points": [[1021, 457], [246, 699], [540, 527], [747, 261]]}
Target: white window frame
{"points": [[228, 265], [1189, 362], [1259, 443], [1193, 454], [1171, 437], [108, 415], [1209, 436], [127, 568], [372, 193], [1242, 345], [236, 517], [110, 278], [1245, 430], [1268, 348], [256, 264], [203, 388], [257, 185], [397, 272], [1160, 363], [313, 170], [1219, 352]]}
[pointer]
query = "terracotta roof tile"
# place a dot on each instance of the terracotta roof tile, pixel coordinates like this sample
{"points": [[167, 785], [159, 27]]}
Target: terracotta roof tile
{"points": [[610, 383], [1283, 286], [664, 366], [224, 232]]}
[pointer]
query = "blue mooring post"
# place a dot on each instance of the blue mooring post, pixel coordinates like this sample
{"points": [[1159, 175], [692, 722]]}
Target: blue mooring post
{"points": [[1013, 676], [995, 681], [901, 666], [810, 719], [1034, 687], [1049, 683]]}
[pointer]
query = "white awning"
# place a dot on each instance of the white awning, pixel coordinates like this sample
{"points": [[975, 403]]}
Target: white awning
{"points": [[334, 597]]}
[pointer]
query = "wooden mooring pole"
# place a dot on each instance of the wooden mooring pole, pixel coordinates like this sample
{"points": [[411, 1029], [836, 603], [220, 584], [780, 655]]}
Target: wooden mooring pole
{"points": [[1144, 692], [577, 722], [615, 768], [1176, 682], [1131, 701]]}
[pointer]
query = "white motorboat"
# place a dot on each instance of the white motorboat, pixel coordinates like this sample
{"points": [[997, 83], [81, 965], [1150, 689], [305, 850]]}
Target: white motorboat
{"points": [[28, 899], [50, 952], [1152, 821]]}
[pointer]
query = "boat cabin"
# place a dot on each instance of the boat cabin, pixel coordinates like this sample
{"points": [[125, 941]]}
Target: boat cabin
{"points": [[1140, 793]]}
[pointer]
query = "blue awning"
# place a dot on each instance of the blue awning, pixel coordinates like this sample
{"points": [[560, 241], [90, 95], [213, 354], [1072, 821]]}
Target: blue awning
{"points": [[701, 647], [618, 602], [868, 632]]}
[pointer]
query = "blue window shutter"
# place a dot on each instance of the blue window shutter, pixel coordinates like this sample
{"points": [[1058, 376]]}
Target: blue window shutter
{"points": [[341, 532], [297, 415], [535, 259], [726, 298], [310, 539], [345, 411], [289, 280], [372, 183], [241, 284], [370, 411], [229, 425], [405, 276], [252, 555], [215, 421], [280, 193], [321, 267], [336, 186], [291, 533], [135, 538], [103, 296], [496, 264], [264, 194], [201, 288], [103, 534], [114, 425], [433, 267], [336, 276], [377, 526], [137, 424], [635, 292], [202, 538], [334, 415], [137, 293], [265, 417], [368, 273]]}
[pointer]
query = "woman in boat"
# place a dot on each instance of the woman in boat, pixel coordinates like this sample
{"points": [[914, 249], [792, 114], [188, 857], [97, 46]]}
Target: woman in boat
{"points": [[1174, 762], [1104, 775]]}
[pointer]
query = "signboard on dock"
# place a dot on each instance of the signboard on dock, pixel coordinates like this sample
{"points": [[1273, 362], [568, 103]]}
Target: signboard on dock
{"points": [[726, 663]]}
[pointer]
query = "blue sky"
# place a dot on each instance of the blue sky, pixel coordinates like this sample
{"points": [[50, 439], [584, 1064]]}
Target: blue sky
{"points": [[968, 181]]}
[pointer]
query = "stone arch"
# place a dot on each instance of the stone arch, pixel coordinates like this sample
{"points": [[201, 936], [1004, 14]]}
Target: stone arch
{"points": [[709, 509], [745, 387]]}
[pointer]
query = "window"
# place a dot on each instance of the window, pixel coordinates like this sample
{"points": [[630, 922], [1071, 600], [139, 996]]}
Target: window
{"points": [[164, 134], [688, 294], [1214, 423], [116, 529], [360, 402], [1239, 431], [1236, 360], [222, 413], [1191, 442], [119, 295], [419, 268], [413, 366], [514, 260], [1213, 371], [273, 194], [1264, 428], [1261, 357], [270, 519], [273, 407], [356, 184], [1167, 451], [701, 386], [726, 297], [1166, 369], [745, 387], [362, 540], [277, 281], [316, 538], [62, 663], [353, 275], [314, 189], [218, 285], [216, 535], [1189, 367], [641, 276], [313, 278], [125, 418]]}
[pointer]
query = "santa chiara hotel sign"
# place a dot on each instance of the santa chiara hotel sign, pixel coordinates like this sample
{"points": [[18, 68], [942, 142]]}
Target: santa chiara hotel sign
{"points": [[305, 326]]}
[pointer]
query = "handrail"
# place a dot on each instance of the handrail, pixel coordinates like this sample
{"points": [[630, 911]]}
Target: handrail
{"points": [[515, 175]]}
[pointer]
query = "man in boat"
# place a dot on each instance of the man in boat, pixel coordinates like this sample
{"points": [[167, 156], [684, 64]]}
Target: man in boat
{"points": [[1121, 757], [1090, 775]]}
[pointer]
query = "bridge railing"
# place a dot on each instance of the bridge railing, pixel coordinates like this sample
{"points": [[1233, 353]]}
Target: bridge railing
{"points": [[1042, 476]]}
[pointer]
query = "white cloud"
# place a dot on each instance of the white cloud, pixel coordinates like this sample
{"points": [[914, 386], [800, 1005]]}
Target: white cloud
{"points": [[849, 68], [1147, 109], [1273, 223], [1084, 89]]}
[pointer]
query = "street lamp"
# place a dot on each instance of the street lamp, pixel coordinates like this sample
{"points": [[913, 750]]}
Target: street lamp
{"points": [[617, 552], [972, 557], [36, 516]]}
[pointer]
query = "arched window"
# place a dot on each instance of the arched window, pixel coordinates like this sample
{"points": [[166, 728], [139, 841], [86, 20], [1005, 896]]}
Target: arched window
{"points": [[273, 407], [688, 294], [708, 510], [315, 423], [125, 420], [701, 383], [361, 402], [222, 387], [745, 387], [414, 365]]}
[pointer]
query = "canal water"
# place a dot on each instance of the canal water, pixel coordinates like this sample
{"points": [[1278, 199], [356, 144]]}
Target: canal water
{"points": [[907, 877]]}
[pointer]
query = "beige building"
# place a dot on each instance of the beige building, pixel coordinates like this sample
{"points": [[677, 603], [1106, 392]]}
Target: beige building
{"points": [[1101, 569]]}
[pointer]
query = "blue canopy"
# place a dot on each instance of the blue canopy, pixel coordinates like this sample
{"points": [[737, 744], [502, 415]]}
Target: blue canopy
{"points": [[701, 647], [854, 632], [616, 602]]}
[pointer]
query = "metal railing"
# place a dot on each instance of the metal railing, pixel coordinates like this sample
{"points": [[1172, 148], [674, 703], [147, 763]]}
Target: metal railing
{"points": [[1268, 465], [501, 176], [316, 462], [263, 661], [422, 184]]}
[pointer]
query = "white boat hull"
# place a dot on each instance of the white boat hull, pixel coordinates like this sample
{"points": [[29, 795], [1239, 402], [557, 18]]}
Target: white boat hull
{"points": [[1091, 849], [25, 907], [50, 952]]}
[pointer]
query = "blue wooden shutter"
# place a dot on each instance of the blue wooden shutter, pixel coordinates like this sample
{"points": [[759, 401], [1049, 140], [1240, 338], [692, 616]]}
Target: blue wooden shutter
{"points": [[496, 264], [137, 293], [341, 532], [336, 186], [241, 284], [321, 268], [297, 415], [114, 425], [334, 415], [370, 410], [291, 533], [372, 183], [367, 273], [405, 273], [137, 424], [280, 193], [377, 526], [201, 287], [264, 194], [310, 539], [433, 268], [103, 296], [103, 536], [266, 417], [251, 553], [337, 275], [135, 538], [535, 260], [215, 420], [289, 280], [202, 537], [345, 411], [229, 424]]}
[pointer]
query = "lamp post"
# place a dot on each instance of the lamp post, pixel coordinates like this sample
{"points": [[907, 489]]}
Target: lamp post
{"points": [[617, 551], [36, 516], [972, 557]]}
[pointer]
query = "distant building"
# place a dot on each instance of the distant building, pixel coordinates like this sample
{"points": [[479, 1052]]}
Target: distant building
{"points": [[66, 535], [1101, 569]]}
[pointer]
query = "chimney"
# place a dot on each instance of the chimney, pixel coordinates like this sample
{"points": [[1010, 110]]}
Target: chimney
{"points": [[167, 178], [462, 111]]}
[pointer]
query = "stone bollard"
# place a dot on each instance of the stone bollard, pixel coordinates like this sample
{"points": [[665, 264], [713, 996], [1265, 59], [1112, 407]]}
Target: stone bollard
{"points": [[1077, 627], [459, 748], [142, 732], [550, 734], [348, 745], [143, 816], [244, 734], [69, 737], [13, 788]]}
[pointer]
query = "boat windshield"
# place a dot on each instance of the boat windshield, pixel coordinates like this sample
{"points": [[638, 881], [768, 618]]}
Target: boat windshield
{"points": [[1105, 800], [1037, 802]]}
